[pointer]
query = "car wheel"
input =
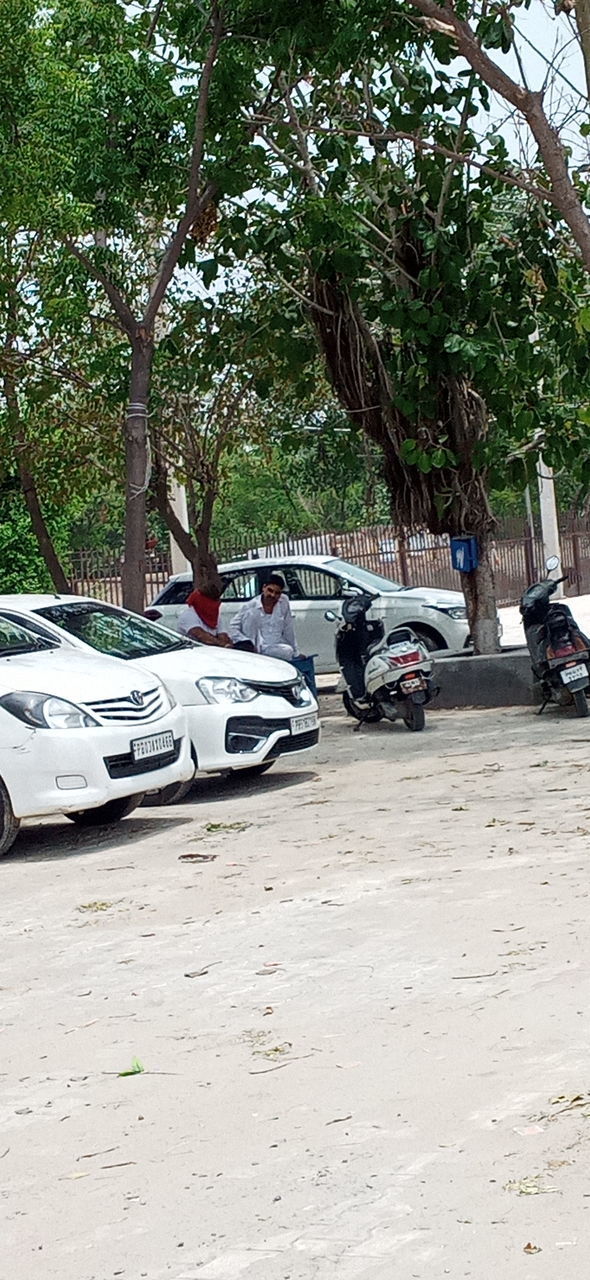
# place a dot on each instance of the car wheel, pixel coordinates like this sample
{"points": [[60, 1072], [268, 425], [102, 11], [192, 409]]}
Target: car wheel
{"points": [[112, 811], [430, 639], [172, 794], [9, 825], [254, 771]]}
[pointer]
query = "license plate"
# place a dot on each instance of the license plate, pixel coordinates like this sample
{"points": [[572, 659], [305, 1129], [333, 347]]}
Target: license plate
{"points": [[409, 686], [158, 744], [302, 724], [569, 674]]}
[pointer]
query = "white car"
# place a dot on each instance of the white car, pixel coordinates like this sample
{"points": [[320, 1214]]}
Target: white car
{"points": [[243, 710], [318, 583], [80, 735]]}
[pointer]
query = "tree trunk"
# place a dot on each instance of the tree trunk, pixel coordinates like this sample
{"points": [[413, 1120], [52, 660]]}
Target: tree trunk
{"points": [[40, 529], [137, 469], [28, 486], [582, 17], [480, 598]]}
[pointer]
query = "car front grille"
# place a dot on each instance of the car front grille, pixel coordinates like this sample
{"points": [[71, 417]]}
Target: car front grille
{"points": [[294, 692], [136, 708], [299, 743], [124, 766]]}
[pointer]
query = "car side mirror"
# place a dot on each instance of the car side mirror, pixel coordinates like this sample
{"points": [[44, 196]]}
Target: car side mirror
{"points": [[330, 616], [349, 592]]}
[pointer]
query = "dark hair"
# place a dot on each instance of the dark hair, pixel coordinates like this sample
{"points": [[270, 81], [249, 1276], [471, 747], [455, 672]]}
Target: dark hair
{"points": [[274, 580]]}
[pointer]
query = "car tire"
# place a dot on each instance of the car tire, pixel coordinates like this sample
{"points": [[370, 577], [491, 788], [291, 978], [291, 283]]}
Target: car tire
{"points": [[430, 639], [9, 825], [107, 813], [254, 770], [172, 794]]}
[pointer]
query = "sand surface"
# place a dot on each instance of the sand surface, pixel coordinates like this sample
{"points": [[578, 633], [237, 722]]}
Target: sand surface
{"points": [[362, 1013]]}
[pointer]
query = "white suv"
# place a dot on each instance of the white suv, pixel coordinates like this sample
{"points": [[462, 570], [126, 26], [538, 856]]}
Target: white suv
{"points": [[318, 583], [80, 735]]}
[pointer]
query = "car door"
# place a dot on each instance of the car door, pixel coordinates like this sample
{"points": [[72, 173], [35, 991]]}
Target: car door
{"points": [[311, 591]]}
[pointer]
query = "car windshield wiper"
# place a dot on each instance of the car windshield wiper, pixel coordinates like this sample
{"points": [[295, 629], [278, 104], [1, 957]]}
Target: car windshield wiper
{"points": [[33, 647]]}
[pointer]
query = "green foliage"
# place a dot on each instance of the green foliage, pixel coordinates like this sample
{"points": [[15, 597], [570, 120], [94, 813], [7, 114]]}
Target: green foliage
{"points": [[21, 566]]}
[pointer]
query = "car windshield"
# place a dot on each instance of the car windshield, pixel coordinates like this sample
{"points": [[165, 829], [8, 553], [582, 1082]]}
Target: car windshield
{"points": [[364, 577], [14, 639], [112, 631]]}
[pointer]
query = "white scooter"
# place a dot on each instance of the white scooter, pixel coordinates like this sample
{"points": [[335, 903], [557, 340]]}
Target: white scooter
{"points": [[383, 678]]}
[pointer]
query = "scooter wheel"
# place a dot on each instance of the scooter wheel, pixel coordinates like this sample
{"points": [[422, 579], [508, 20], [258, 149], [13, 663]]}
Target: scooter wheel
{"points": [[414, 718], [358, 713], [580, 702]]}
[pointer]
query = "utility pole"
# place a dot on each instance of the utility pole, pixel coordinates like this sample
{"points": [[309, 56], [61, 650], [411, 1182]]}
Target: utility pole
{"points": [[549, 523], [178, 503]]}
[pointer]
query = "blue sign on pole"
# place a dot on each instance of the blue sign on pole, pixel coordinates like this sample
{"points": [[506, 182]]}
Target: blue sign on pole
{"points": [[464, 554]]}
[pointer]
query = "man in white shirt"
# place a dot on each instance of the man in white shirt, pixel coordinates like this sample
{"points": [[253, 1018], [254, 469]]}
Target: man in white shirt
{"points": [[266, 623]]}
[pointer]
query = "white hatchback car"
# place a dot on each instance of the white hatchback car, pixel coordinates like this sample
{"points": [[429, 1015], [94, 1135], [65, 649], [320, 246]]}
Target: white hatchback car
{"points": [[80, 735], [318, 583], [243, 710]]}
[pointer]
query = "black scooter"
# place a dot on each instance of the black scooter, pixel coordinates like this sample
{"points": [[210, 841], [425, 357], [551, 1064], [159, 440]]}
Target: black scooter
{"points": [[560, 652]]}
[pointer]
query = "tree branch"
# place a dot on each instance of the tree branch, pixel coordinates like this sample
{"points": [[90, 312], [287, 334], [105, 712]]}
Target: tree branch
{"points": [[423, 144], [116, 299], [563, 193], [195, 203]]}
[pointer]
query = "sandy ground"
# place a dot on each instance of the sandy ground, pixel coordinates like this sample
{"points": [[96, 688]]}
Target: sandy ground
{"points": [[362, 1014]]}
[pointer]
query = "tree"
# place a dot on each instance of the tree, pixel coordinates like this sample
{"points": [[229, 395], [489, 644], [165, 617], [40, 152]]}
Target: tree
{"points": [[128, 192]]}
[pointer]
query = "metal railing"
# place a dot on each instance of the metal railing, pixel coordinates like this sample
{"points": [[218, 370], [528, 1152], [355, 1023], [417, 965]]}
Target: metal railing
{"points": [[414, 559]]}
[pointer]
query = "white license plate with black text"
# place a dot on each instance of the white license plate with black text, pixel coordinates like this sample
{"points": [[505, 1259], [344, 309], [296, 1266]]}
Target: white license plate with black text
{"points": [[570, 674], [158, 744], [409, 686], [303, 724]]}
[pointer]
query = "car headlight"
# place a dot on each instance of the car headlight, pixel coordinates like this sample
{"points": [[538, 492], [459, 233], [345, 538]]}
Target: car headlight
{"points": [[223, 689], [303, 692], [457, 611], [43, 711]]}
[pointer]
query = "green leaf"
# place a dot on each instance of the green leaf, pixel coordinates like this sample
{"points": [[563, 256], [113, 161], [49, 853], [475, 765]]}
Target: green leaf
{"points": [[135, 1069], [209, 269]]}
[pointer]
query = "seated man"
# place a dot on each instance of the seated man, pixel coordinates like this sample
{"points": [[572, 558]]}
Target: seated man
{"points": [[200, 619], [266, 623]]}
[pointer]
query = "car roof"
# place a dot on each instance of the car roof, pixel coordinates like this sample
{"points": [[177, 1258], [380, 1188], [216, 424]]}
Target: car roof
{"points": [[264, 562]]}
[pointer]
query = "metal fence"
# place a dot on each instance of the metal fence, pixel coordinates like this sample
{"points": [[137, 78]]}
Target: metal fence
{"points": [[415, 559]]}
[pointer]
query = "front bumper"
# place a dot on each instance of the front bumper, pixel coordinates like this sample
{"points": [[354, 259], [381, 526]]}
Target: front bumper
{"points": [[227, 735], [41, 773]]}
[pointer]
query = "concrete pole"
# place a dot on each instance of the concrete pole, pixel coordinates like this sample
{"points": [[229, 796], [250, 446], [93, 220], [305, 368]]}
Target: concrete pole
{"points": [[549, 523], [178, 502]]}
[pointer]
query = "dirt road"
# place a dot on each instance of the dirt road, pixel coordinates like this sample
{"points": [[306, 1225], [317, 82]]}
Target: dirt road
{"points": [[361, 1009]]}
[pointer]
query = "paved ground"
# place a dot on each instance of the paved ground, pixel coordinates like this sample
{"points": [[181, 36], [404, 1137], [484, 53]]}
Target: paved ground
{"points": [[362, 1013]]}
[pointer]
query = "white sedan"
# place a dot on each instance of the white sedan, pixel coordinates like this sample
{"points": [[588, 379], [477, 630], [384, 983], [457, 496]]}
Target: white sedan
{"points": [[318, 583], [80, 735], [243, 710]]}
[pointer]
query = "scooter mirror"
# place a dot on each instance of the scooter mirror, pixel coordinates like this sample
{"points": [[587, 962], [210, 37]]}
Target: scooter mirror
{"points": [[330, 616], [552, 563]]}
